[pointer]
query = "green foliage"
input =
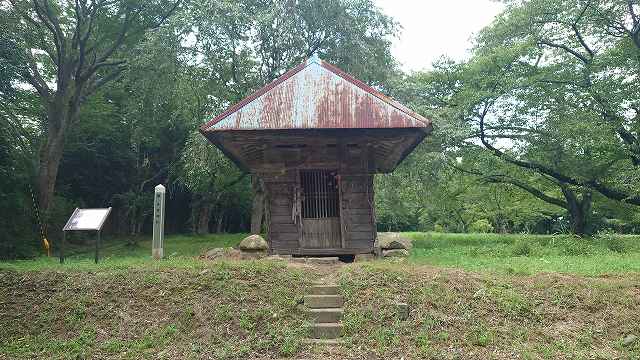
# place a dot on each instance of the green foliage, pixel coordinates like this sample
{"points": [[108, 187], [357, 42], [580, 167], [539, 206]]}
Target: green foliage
{"points": [[481, 226], [521, 248], [138, 128], [527, 82], [612, 241], [535, 104]]}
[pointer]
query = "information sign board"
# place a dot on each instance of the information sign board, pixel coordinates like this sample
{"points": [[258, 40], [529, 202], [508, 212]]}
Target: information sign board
{"points": [[87, 219]]}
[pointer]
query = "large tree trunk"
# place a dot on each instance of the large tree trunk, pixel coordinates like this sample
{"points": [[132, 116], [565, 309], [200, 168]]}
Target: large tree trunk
{"points": [[204, 215], [50, 158], [257, 211], [579, 210], [61, 111], [219, 224]]}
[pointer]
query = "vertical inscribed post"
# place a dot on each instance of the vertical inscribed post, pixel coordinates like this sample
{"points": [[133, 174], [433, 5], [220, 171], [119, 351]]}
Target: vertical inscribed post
{"points": [[157, 251]]}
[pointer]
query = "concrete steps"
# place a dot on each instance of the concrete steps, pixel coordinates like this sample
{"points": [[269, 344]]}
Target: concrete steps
{"points": [[328, 342], [325, 308], [330, 315], [323, 301], [327, 330]]}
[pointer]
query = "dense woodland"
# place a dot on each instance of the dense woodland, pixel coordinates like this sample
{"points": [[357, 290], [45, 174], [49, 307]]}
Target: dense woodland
{"points": [[100, 100]]}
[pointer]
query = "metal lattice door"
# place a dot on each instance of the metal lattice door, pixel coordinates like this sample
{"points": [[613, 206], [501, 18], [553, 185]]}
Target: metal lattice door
{"points": [[320, 210]]}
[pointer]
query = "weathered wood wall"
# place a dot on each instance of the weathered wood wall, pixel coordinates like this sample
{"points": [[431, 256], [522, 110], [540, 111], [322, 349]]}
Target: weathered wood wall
{"points": [[358, 216], [357, 212], [283, 230]]}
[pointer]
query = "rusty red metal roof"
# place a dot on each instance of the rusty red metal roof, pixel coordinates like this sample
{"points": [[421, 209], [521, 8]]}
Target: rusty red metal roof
{"points": [[316, 95]]}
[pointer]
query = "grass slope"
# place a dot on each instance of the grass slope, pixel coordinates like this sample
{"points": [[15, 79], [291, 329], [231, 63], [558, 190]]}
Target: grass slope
{"points": [[130, 307], [223, 310]]}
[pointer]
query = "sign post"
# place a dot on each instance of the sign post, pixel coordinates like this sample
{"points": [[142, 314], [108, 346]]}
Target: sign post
{"points": [[157, 251], [85, 219]]}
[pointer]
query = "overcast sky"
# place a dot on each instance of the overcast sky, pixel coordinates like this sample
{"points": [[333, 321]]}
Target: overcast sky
{"points": [[436, 27]]}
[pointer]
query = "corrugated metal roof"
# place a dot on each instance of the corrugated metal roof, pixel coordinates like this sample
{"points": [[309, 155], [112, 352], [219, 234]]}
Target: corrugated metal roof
{"points": [[316, 95]]}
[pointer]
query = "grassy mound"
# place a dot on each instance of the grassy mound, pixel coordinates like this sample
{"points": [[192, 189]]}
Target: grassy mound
{"points": [[222, 310], [488, 296], [249, 309], [456, 314]]}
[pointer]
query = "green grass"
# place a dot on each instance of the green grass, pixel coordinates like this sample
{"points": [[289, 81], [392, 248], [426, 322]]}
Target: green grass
{"points": [[516, 254], [180, 251], [528, 254]]}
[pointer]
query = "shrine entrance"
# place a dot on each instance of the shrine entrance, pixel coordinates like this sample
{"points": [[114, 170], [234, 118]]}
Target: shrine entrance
{"points": [[320, 209]]}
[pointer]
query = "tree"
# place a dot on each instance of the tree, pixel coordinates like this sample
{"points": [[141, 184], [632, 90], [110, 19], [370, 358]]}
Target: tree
{"points": [[549, 91], [543, 55], [216, 184], [72, 49]]}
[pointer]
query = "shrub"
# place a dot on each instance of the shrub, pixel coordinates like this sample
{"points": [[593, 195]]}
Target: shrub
{"points": [[481, 226], [439, 228], [577, 246], [521, 248], [612, 241]]}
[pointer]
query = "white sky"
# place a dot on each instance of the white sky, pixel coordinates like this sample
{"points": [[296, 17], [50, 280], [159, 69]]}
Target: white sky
{"points": [[432, 28]]}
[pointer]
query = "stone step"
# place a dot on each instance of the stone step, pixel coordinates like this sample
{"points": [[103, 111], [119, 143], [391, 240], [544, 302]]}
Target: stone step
{"points": [[327, 331], [317, 260], [326, 315], [327, 342], [323, 301], [323, 290]]}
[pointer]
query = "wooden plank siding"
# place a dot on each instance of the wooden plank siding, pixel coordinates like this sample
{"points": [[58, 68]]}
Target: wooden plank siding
{"points": [[282, 230], [357, 211], [357, 219]]}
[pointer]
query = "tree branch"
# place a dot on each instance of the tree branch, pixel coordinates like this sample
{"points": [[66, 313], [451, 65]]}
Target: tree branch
{"points": [[505, 179], [593, 184], [98, 83], [499, 178], [567, 49], [34, 78], [574, 26], [56, 40]]}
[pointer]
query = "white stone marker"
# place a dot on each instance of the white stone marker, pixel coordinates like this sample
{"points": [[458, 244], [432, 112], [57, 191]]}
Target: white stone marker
{"points": [[158, 223]]}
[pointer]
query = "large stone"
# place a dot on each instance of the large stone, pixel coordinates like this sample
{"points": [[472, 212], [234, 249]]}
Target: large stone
{"points": [[254, 243], [219, 253], [395, 253], [253, 254], [389, 241], [402, 310], [214, 254], [629, 340]]}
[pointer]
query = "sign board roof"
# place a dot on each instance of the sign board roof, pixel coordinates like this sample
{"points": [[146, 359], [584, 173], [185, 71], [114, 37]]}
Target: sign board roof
{"points": [[87, 219]]}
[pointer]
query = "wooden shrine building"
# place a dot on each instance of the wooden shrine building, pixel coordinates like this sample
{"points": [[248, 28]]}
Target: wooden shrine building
{"points": [[315, 136]]}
